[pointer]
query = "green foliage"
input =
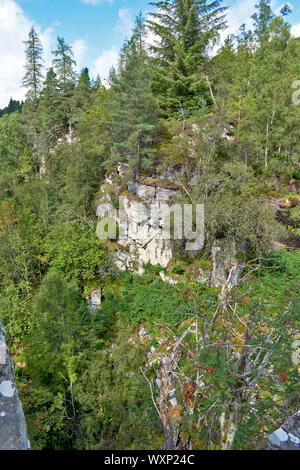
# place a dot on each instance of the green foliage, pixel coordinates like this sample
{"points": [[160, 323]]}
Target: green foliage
{"points": [[82, 98], [185, 28], [12, 143], [226, 127], [77, 253], [122, 415], [295, 214], [63, 64], [33, 77], [50, 110], [236, 211], [12, 107], [64, 331], [143, 299], [61, 319]]}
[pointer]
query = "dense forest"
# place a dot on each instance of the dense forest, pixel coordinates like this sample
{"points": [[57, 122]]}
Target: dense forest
{"points": [[102, 380]]}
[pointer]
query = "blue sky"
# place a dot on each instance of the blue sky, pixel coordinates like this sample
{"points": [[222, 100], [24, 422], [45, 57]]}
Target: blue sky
{"points": [[101, 25], [95, 28]]}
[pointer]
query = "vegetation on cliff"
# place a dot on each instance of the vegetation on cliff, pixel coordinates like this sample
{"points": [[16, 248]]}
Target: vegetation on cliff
{"points": [[101, 381]]}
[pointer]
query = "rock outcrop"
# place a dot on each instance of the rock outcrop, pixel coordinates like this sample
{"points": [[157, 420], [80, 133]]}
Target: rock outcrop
{"points": [[144, 226], [288, 436], [13, 429], [142, 222]]}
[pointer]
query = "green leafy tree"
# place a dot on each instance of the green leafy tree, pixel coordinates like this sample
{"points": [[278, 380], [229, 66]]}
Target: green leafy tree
{"points": [[262, 21], [12, 142], [76, 253]]}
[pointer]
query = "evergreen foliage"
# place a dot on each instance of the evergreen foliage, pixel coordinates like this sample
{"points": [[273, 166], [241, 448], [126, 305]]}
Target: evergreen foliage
{"points": [[134, 124], [184, 30]]}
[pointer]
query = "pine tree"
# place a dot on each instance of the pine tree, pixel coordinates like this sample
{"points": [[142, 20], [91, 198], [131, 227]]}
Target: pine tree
{"points": [[134, 123], [96, 83], [63, 63], [185, 29], [12, 107]]}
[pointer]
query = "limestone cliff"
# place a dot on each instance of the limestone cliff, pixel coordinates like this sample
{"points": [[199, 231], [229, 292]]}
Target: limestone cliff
{"points": [[146, 206]]}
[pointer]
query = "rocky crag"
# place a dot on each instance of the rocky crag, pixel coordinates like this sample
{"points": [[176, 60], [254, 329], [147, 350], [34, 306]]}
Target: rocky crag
{"points": [[144, 220]]}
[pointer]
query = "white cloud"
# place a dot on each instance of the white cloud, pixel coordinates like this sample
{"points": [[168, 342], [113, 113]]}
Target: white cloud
{"points": [[296, 30], [239, 13], [105, 62], [125, 23], [96, 2], [79, 48], [14, 28]]}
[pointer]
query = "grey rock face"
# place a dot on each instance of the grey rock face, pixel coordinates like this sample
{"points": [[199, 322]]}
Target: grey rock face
{"points": [[145, 238], [13, 429], [288, 436]]}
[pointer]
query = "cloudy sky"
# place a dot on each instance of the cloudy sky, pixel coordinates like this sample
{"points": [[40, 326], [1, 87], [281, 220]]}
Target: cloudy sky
{"points": [[95, 28]]}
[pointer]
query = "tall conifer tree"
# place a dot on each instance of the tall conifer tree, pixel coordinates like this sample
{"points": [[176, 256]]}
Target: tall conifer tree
{"points": [[33, 76], [50, 110], [63, 64], [134, 124], [33, 82], [184, 29]]}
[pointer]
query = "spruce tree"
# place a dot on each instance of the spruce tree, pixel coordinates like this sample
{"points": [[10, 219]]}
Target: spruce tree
{"points": [[33, 76], [82, 97], [185, 29], [33, 82], [50, 110]]}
